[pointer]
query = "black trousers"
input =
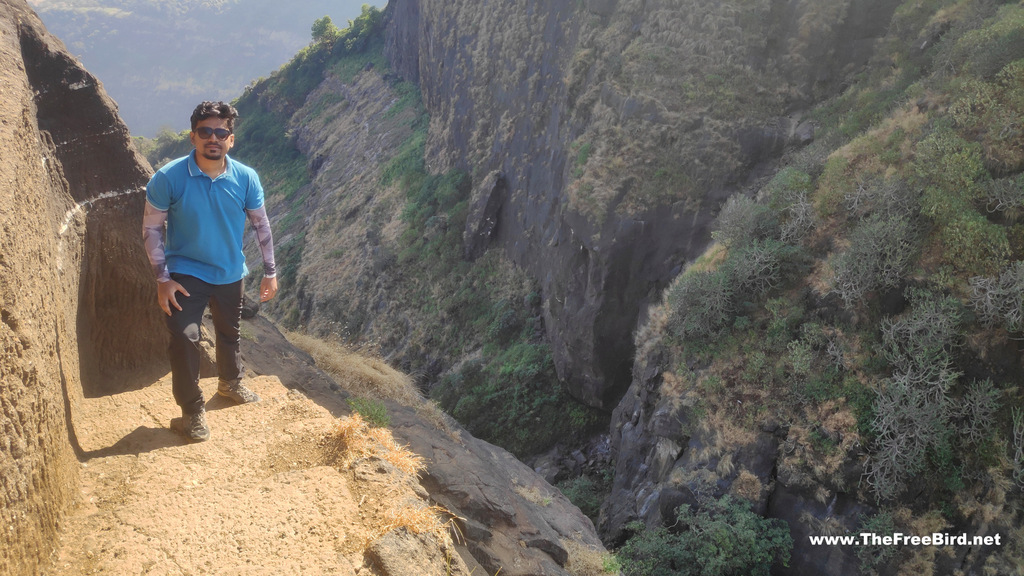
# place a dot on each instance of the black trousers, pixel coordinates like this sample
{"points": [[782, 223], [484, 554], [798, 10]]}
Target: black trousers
{"points": [[225, 302]]}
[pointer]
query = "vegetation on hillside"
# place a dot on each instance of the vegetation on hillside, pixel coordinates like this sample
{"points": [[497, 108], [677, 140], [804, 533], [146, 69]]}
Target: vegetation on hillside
{"points": [[723, 537], [869, 297]]}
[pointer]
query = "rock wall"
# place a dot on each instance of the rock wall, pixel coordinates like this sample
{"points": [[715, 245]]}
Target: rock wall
{"points": [[69, 256], [105, 176], [38, 294], [511, 87]]}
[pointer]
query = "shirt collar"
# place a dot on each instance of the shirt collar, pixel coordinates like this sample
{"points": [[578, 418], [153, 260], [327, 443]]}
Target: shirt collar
{"points": [[195, 170]]}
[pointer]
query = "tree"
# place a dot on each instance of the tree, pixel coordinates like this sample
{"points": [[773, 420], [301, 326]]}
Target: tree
{"points": [[723, 537], [324, 31]]}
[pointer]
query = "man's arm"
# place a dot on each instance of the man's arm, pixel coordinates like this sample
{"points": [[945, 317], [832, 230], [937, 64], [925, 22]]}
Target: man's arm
{"points": [[261, 224], [153, 221]]}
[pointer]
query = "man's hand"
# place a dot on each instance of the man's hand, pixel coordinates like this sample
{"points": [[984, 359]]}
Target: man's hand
{"points": [[268, 288], [166, 295]]}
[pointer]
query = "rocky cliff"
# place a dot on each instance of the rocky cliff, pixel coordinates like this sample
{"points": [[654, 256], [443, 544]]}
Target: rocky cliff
{"points": [[610, 175], [602, 138]]}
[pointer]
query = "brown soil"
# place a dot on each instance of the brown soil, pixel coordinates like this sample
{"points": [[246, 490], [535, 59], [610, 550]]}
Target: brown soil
{"points": [[262, 496]]}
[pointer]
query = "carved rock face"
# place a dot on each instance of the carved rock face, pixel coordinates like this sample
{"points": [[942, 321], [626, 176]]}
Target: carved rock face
{"points": [[75, 290]]}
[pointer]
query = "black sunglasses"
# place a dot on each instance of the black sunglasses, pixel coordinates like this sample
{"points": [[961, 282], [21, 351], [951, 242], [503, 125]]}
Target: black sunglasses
{"points": [[205, 132]]}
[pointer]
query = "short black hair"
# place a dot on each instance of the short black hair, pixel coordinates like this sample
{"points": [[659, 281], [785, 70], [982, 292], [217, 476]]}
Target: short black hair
{"points": [[214, 109]]}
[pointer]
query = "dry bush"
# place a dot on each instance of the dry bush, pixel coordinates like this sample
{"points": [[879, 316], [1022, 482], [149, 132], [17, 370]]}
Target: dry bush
{"points": [[880, 252], [908, 421], [359, 372], [977, 410], [356, 439]]}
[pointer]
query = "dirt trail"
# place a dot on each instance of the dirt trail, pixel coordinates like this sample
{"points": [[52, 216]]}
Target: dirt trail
{"points": [[258, 498]]}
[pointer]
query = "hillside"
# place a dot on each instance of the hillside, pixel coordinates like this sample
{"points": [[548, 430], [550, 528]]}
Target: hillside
{"points": [[773, 252], [159, 59]]}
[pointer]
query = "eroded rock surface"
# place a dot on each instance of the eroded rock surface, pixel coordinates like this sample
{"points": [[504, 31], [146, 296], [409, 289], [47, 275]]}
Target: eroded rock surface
{"points": [[64, 152]]}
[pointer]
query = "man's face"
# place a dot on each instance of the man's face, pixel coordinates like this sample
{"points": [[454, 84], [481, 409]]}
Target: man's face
{"points": [[212, 148]]}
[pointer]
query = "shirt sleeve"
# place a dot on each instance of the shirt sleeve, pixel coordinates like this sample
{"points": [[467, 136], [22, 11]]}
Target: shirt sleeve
{"points": [[261, 224], [158, 192], [153, 221], [254, 195]]}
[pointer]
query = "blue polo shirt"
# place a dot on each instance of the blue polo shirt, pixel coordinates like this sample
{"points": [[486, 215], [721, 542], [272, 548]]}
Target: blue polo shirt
{"points": [[205, 217]]}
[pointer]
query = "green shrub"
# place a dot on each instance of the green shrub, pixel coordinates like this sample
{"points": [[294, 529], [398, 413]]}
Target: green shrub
{"points": [[834, 184], [374, 412], [787, 184], [872, 557], [511, 398], [723, 537], [949, 169], [743, 220], [984, 51], [974, 245], [264, 142], [700, 303], [585, 493], [165, 147], [1000, 300], [324, 30], [881, 250]]}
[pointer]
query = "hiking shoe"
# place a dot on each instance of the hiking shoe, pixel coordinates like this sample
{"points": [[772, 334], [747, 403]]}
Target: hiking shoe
{"points": [[193, 426], [235, 390]]}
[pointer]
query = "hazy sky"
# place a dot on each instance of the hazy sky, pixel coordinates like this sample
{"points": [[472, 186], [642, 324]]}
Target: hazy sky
{"points": [[157, 59]]}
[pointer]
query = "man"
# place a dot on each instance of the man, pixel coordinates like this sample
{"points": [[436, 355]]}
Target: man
{"points": [[204, 199]]}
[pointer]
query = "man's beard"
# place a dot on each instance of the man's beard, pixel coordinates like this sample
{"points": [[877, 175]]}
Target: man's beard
{"points": [[212, 153]]}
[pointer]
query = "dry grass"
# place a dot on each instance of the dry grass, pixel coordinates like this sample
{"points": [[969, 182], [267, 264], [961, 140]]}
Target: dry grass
{"points": [[359, 372], [747, 486], [532, 494], [357, 439], [586, 561], [364, 374], [435, 521]]}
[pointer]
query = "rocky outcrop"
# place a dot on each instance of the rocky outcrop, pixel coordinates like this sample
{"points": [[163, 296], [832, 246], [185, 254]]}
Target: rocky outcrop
{"points": [[511, 520], [68, 276], [511, 87], [484, 209]]}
